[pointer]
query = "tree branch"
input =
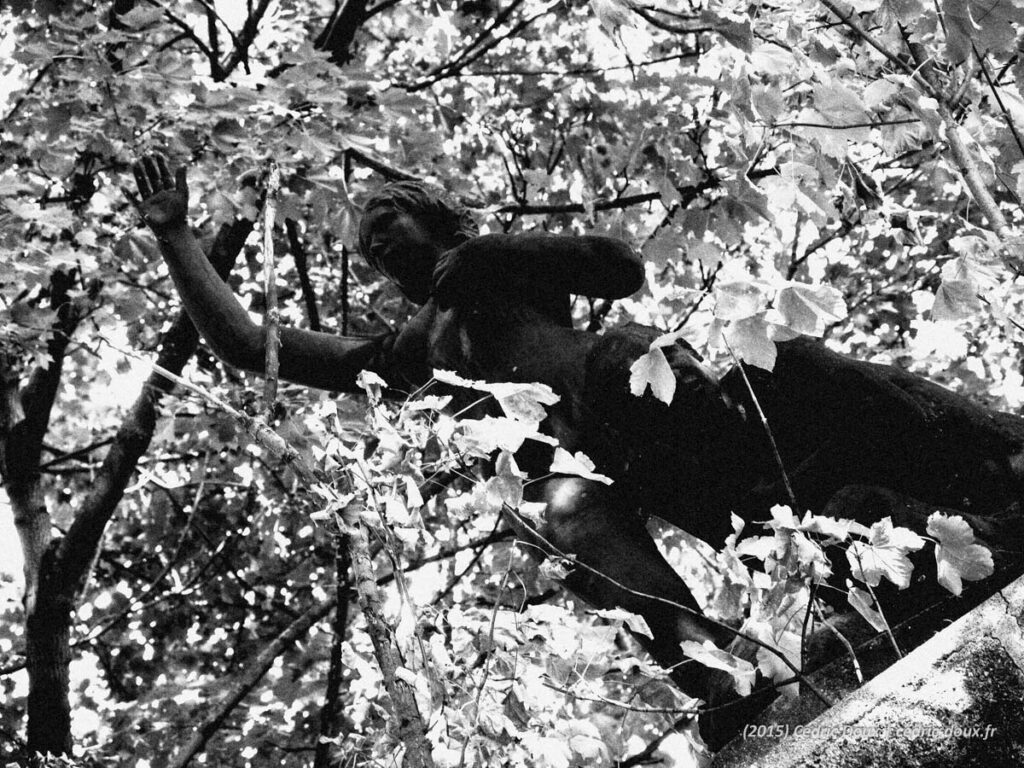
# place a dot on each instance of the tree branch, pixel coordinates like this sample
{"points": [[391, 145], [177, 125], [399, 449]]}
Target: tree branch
{"points": [[968, 168], [329, 711], [340, 32], [388, 172], [76, 551], [526, 209], [302, 267], [410, 727], [240, 52], [863, 34], [21, 436], [272, 314], [254, 671]]}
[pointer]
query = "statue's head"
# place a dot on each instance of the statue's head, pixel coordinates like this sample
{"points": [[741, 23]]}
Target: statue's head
{"points": [[405, 227]]}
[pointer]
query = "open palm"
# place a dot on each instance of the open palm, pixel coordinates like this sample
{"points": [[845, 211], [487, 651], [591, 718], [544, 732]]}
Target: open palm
{"points": [[164, 197]]}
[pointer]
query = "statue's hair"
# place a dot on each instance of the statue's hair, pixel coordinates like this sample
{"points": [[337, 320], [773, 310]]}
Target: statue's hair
{"points": [[445, 218]]}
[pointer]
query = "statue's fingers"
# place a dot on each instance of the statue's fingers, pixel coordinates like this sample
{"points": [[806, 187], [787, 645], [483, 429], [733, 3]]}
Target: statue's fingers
{"points": [[165, 172], [141, 180], [133, 199], [152, 172], [181, 179]]}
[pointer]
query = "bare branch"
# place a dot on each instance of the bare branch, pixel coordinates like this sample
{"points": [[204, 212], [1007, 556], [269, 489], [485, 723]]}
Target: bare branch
{"points": [[848, 19], [245, 39], [388, 172], [135, 433], [302, 267], [340, 32], [250, 677], [411, 729]]}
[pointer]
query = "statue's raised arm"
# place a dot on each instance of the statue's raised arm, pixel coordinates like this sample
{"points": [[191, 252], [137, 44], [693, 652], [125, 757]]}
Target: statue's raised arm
{"points": [[321, 360]]}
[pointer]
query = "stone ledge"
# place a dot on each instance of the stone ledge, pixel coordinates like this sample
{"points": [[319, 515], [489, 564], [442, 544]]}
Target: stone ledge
{"points": [[956, 700]]}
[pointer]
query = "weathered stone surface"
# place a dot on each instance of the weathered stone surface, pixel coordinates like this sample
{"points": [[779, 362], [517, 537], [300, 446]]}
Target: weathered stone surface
{"points": [[957, 700]]}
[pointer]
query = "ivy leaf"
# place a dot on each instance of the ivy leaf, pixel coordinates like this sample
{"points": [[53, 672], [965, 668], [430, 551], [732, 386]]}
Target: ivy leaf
{"points": [[832, 529], [396, 511], [884, 554], [808, 309], [506, 487], [749, 339], [523, 401], [839, 105], [864, 605], [481, 437], [878, 92], [636, 623], [579, 464], [742, 671], [964, 278], [663, 247], [140, 17], [683, 749], [987, 24], [738, 300], [556, 568], [585, 740], [744, 202], [652, 369], [957, 555], [956, 300], [706, 253], [372, 384], [735, 30], [429, 403]]}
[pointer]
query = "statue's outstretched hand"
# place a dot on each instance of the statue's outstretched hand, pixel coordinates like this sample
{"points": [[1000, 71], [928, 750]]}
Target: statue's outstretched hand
{"points": [[164, 197]]}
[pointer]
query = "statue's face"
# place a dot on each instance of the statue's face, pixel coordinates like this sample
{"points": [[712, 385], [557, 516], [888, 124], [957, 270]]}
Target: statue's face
{"points": [[405, 249]]}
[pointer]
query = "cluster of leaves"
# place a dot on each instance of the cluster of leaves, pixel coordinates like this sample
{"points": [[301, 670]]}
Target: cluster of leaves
{"points": [[521, 682], [778, 171], [506, 678], [771, 605]]}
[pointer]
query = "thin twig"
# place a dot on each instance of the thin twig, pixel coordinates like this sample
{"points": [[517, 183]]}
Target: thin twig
{"points": [[487, 664], [866, 36], [842, 638], [878, 606], [999, 100], [767, 429], [411, 729]]}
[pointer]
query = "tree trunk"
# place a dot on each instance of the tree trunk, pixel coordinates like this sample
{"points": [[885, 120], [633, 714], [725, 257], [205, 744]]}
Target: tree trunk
{"points": [[48, 654]]}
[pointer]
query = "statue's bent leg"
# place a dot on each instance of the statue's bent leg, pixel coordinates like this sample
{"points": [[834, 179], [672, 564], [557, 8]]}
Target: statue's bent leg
{"points": [[618, 565]]}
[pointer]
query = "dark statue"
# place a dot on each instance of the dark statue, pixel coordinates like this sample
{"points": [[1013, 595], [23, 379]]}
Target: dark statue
{"points": [[858, 440]]}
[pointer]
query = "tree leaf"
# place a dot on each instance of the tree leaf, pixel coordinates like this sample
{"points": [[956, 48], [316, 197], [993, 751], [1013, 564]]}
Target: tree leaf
{"points": [[652, 369], [579, 464], [742, 671], [884, 554], [808, 309], [864, 605], [987, 24], [957, 556], [481, 437], [839, 105], [749, 340], [523, 401], [956, 300], [737, 300], [634, 621]]}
